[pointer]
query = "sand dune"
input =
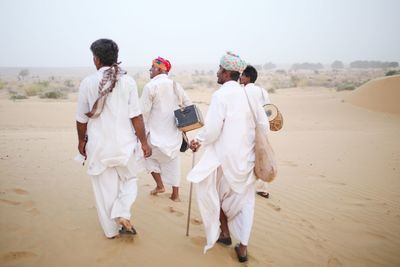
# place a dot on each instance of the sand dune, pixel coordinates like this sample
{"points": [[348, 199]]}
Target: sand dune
{"points": [[381, 94], [335, 202]]}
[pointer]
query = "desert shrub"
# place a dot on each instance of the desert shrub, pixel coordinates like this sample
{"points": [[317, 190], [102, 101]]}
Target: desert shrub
{"points": [[69, 83], [2, 84], [53, 94], [271, 91], [345, 86], [18, 96], [36, 88], [392, 72]]}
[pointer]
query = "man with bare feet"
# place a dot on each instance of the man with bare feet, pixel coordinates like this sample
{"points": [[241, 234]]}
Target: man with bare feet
{"points": [[159, 99], [109, 124], [224, 178]]}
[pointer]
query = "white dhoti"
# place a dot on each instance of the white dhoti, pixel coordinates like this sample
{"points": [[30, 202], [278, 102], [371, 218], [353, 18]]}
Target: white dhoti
{"points": [[261, 186], [214, 193], [168, 167], [114, 195]]}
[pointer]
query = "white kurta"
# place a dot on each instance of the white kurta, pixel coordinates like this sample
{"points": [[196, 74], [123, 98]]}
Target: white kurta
{"points": [[262, 96], [228, 140], [111, 137], [112, 149], [158, 102]]}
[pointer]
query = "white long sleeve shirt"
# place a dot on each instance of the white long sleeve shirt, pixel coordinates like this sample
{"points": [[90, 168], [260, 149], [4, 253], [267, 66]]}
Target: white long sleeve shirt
{"points": [[158, 102], [111, 136], [228, 137]]}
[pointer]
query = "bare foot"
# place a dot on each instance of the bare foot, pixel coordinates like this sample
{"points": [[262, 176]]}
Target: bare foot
{"points": [[175, 198], [156, 191], [127, 227]]}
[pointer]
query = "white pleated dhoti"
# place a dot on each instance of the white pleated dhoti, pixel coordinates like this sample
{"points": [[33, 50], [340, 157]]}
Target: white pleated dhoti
{"points": [[168, 167], [114, 196], [214, 193]]}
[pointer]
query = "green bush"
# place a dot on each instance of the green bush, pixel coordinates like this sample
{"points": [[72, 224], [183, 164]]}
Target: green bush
{"points": [[36, 88], [345, 86], [2, 84], [392, 72], [18, 96], [53, 94]]}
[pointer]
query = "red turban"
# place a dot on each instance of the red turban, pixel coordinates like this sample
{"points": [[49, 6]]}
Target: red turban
{"points": [[162, 63]]}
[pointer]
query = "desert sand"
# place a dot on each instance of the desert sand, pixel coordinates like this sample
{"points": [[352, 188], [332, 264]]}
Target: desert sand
{"points": [[335, 202]]}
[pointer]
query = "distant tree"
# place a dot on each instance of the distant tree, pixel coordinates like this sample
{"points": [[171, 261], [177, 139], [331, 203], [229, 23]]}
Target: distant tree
{"points": [[364, 64], [337, 64], [307, 66], [269, 66], [23, 73]]}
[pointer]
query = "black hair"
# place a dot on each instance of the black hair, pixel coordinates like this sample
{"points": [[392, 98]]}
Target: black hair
{"points": [[234, 75], [106, 50], [250, 72]]}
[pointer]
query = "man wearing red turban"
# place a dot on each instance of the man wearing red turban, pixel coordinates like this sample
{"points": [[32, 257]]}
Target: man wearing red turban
{"points": [[158, 102]]}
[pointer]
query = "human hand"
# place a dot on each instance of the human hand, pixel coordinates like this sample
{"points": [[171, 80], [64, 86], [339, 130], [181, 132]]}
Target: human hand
{"points": [[146, 150], [194, 145], [82, 148]]}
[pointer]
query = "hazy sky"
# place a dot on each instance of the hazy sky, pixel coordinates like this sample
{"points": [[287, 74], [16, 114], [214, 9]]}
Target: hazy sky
{"points": [[58, 33]]}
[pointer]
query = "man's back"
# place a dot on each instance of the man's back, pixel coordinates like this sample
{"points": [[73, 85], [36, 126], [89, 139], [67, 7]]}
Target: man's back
{"points": [[111, 135], [158, 102]]}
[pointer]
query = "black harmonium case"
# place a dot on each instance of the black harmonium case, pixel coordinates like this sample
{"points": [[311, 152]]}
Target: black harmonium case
{"points": [[188, 118]]}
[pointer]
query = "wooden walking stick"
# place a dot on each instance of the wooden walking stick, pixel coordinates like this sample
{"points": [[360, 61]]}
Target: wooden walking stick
{"points": [[190, 198]]}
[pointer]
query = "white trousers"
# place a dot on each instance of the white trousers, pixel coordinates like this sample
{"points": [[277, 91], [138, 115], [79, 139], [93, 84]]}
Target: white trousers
{"points": [[169, 169], [114, 197], [214, 193]]}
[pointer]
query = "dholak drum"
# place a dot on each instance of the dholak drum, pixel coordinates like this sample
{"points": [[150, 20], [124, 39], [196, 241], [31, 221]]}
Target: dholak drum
{"points": [[274, 117]]}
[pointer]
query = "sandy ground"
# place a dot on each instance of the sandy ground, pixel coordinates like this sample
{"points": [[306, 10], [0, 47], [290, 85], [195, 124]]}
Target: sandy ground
{"points": [[335, 202]]}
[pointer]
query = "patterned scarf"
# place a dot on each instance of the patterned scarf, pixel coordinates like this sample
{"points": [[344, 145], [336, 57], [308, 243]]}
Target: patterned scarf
{"points": [[106, 86]]}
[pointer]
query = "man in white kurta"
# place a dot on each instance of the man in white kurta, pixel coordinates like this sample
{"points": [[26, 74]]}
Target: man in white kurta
{"points": [[248, 78], [223, 178], [158, 102], [108, 136]]}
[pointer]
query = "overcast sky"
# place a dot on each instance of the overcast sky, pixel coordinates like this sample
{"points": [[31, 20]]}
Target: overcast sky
{"points": [[58, 33]]}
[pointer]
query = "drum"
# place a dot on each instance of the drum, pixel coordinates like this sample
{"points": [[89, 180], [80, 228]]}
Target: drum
{"points": [[274, 117]]}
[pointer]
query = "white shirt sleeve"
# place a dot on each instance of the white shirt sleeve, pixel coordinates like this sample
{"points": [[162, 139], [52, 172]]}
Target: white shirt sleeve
{"points": [[185, 99], [134, 105], [146, 102], [213, 123], [83, 103], [265, 96]]}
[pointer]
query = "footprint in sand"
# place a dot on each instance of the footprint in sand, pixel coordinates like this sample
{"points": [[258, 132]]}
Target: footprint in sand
{"points": [[198, 240], [16, 255], [34, 211], [10, 202], [275, 207], [20, 191], [173, 210], [289, 163], [196, 221], [309, 224], [334, 262]]}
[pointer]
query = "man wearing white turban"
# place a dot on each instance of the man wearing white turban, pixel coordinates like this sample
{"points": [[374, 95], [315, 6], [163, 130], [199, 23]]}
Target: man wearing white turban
{"points": [[224, 178]]}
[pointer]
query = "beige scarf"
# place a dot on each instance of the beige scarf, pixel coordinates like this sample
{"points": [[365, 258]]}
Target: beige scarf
{"points": [[106, 86]]}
